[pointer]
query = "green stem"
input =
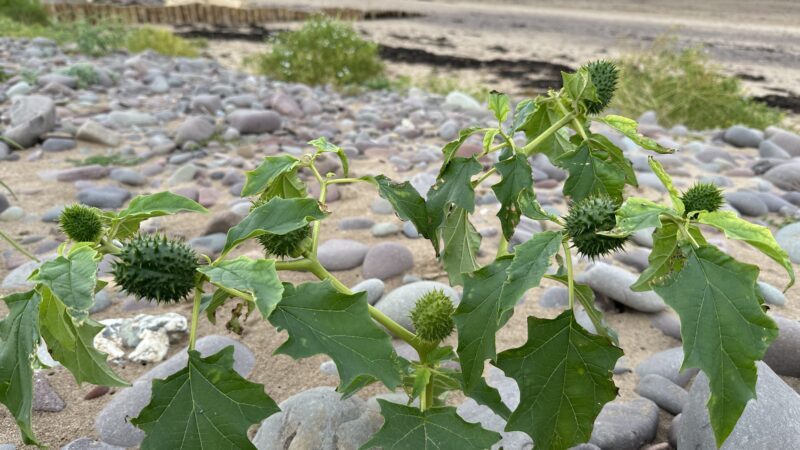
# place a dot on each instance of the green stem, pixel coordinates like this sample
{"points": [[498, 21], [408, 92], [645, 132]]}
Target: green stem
{"points": [[570, 274], [528, 149], [426, 400], [398, 330], [345, 180], [108, 247], [483, 177], [575, 122], [17, 246], [301, 265], [198, 297]]}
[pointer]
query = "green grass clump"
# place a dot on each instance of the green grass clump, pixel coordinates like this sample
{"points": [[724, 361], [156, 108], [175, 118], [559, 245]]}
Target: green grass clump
{"points": [[683, 87], [161, 41], [106, 160], [84, 73], [322, 51], [25, 11]]}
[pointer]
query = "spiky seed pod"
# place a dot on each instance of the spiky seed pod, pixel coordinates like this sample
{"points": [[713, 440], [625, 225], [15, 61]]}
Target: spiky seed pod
{"points": [[156, 268], [432, 316], [81, 223], [604, 75], [702, 197], [588, 217], [291, 244]]}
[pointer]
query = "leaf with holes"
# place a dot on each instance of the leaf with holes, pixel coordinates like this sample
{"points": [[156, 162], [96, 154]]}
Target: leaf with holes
{"points": [[256, 277], [516, 177]]}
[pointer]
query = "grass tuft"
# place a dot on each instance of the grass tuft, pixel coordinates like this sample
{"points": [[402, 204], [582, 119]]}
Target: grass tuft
{"points": [[24, 11], [684, 87], [322, 51], [161, 41]]}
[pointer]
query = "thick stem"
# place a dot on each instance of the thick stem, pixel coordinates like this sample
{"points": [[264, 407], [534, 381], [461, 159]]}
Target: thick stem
{"points": [[108, 247], [301, 265], [570, 274], [198, 297], [575, 122], [19, 248], [528, 149], [428, 394], [346, 180]]}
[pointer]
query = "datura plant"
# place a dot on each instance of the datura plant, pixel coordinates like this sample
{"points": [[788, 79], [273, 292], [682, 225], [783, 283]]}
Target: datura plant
{"points": [[208, 405]]}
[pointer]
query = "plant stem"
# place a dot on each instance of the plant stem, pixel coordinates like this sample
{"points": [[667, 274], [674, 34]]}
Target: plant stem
{"points": [[299, 265], [528, 149], [575, 122], [109, 247], [198, 297], [570, 274], [17, 246], [398, 330], [428, 395], [483, 177], [345, 180]]}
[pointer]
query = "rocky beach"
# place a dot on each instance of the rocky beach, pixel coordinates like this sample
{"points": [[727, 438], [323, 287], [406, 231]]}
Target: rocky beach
{"points": [[100, 131]]}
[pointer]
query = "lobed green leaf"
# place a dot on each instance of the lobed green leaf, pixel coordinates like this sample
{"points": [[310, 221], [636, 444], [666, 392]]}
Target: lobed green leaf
{"points": [[638, 214], [449, 150], [517, 176], [666, 180], [724, 328], [564, 377], [154, 205], [206, 405], [320, 319], [591, 173], [322, 145], [454, 186], [499, 105], [72, 278]]}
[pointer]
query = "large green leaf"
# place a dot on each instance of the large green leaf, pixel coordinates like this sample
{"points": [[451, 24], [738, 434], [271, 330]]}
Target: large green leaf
{"points": [[256, 277], [206, 405], [477, 319], [461, 243], [154, 205], [286, 185], [499, 105], [320, 319], [564, 377], [262, 177], [517, 176], [666, 180], [19, 339], [277, 216], [72, 344], [628, 127], [531, 260], [454, 186], [323, 146], [407, 428], [591, 173], [723, 326], [409, 205], [72, 279], [758, 236], [578, 85]]}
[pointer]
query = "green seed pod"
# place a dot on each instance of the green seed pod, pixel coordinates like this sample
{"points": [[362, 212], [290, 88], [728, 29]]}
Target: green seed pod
{"points": [[156, 268], [604, 75], [81, 223], [292, 244], [585, 219], [432, 316], [702, 197]]}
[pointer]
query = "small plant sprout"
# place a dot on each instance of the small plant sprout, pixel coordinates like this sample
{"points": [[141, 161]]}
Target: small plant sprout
{"points": [[561, 363]]}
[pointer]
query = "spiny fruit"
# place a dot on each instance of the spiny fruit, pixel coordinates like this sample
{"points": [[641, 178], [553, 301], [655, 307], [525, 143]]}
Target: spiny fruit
{"points": [[156, 268], [432, 316], [81, 223], [604, 75], [586, 218], [291, 244], [702, 197]]}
